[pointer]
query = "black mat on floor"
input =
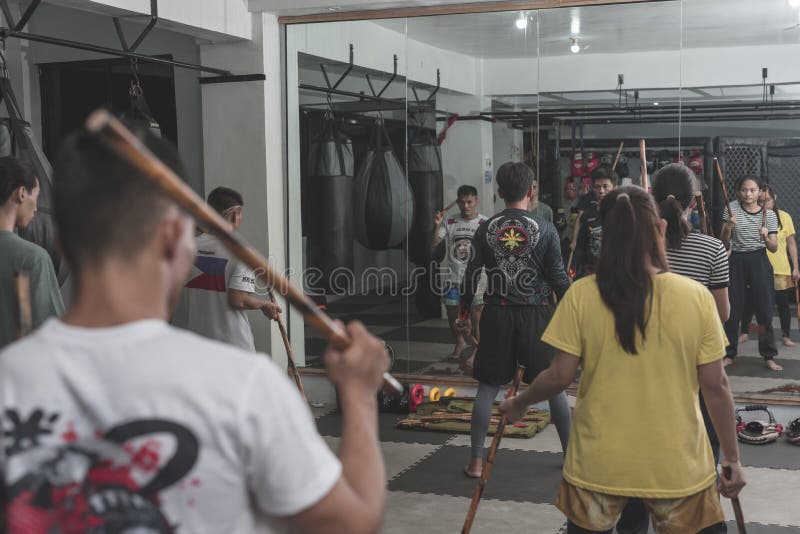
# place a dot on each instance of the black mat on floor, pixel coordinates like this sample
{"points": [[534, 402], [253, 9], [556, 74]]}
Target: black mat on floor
{"points": [[516, 476], [778, 455], [331, 425], [424, 334], [755, 528], [751, 366]]}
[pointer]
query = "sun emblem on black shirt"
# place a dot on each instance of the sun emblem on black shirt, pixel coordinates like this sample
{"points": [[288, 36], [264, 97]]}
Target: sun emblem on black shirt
{"points": [[513, 238]]}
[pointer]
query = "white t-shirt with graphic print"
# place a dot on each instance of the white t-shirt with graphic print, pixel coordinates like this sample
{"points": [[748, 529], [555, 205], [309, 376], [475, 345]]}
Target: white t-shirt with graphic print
{"points": [[457, 234], [203, 303], [152, 427]]}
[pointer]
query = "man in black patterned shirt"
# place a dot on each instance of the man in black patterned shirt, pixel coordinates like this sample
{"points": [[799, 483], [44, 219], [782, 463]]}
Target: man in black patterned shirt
{"points": [[522, 258]]}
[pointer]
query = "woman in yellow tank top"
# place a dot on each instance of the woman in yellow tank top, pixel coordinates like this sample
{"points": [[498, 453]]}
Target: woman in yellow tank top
{"points": [[647, 341]]}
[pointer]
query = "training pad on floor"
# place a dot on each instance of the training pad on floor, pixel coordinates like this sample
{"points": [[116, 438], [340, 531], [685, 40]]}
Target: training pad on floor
{"points": [[454, 417], [331, 425]]}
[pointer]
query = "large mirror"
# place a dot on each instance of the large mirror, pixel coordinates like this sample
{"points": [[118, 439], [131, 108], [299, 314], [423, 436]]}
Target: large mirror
{"points": [[739, 98], [427, 107]]}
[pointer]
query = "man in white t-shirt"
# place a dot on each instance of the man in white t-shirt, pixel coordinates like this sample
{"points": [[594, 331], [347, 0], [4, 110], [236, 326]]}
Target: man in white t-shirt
{"points": [[452, 240], [115, 421], [220, 289]]}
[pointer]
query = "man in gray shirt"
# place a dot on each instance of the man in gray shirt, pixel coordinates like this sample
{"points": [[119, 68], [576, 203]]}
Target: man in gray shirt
{"points": [[540, 209], [19, 191]]}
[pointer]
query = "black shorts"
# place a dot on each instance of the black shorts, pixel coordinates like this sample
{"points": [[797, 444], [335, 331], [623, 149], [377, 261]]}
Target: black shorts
{"points": [[512, 335]]}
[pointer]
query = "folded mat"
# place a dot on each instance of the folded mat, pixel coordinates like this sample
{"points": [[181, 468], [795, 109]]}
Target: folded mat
{"points": [[454, 416]]}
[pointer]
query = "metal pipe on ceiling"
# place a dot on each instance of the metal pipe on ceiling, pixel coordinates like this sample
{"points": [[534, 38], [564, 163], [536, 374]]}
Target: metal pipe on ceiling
{"points": [[5, 33]]}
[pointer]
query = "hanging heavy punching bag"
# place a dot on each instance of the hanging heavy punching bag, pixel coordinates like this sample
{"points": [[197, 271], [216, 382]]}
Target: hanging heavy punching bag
{"points": [[139, 113], [425, 179], [331, 169], [383, 205]]}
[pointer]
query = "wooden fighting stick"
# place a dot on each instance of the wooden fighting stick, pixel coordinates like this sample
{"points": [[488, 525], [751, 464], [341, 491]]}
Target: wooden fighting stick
{"points": [[289, 351], [449, 206], [737, 506], [722, 187], [569, 262], [643, 157], [701, 209], [616, 158], [487, 467], [797, 301], [128, 147], [22, 287]]}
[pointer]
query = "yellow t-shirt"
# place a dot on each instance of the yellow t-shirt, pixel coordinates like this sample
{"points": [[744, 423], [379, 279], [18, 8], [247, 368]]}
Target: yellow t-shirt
{"points": [[637, 428], [780, 259]]}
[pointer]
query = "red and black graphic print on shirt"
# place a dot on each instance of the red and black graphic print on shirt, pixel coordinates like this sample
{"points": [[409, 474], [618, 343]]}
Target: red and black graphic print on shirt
{"points": [[106, 483]]}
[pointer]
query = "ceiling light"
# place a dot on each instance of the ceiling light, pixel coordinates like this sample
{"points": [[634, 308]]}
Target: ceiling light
{"points": [[655, 103], [522, 21], [794, 3], [575, 48]]}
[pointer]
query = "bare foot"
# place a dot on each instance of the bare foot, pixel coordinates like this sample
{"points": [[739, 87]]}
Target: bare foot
{"points": [[772, 366], [787, 342], [475, 468], [743, 338], [471, 360], [459, 348], [727, 361]]}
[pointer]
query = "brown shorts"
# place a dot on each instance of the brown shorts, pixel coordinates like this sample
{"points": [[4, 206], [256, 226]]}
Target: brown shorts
{"points": [[599, 511]]}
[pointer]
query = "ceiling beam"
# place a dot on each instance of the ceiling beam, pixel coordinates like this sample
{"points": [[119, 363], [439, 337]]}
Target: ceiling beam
{"points": [[447, 9]]}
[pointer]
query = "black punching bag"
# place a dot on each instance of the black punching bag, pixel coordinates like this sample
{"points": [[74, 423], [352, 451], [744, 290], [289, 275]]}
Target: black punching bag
{"points": [[383, 205], [331, 179], [425, 179]]}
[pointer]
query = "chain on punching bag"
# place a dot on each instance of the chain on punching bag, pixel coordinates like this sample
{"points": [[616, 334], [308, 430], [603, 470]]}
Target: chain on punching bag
{"points": [[139, 114]]}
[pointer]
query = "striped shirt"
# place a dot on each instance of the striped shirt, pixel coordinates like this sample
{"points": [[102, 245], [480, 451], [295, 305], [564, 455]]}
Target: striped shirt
{"points": [[745, 236], [703, 259]]}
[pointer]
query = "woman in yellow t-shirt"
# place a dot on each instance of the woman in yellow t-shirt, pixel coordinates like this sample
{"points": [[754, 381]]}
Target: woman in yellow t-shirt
{"points": [[785, 274], [647, 341]]}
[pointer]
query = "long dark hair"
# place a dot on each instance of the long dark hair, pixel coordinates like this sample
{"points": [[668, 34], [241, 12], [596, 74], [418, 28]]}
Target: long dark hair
{"points": [[742, 179], [673, 189], [768, 190], [630, 234]]}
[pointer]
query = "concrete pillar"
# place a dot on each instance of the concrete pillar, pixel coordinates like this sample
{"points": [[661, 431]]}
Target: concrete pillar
{"points": [[243, 149]]}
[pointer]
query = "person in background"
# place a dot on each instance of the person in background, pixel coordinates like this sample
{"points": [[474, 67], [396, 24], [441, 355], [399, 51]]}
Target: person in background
{"points": [[750, 270], [522, 260], [647, 340], [452, 242], [116, 421], [786, 274], [19, 192], [221, 289], [590, 235], [703, 259], [537, 207]]}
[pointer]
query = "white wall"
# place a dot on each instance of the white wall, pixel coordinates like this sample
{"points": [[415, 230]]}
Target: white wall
{"points": [[698, 67], [374, 46], [467, 145], [216, 19], [243, 149], [97, 29]]}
